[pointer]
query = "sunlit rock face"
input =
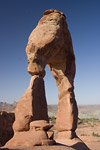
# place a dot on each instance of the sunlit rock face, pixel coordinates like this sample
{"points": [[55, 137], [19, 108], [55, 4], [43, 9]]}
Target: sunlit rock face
{"points": [[49, 44]]}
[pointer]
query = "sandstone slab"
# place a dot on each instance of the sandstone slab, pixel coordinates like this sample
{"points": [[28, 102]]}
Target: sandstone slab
{"points": [[40, 125]]}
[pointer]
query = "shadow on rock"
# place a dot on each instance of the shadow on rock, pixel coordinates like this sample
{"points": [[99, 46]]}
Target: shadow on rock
{"points": [[80, 146], [4, 148], [77, 146]]}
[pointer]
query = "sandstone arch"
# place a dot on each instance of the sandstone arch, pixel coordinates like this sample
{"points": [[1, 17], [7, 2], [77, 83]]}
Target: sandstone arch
{"points": [[49, 44]]}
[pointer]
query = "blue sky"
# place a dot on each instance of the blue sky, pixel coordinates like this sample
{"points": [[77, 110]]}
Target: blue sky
{"points": [[19, 17]]}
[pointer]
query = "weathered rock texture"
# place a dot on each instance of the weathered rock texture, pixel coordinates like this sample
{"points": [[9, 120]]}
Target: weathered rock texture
{"points": [[31, 118], [6, 131], [35, 136], [49, 44], [32, 106]]}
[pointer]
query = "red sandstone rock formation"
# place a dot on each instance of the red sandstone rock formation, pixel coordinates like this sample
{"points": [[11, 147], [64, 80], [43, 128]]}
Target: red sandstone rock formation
{"points": [[49, 44]]}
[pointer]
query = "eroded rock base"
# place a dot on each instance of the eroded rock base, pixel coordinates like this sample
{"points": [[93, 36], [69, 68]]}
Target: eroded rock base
{"points": [[36, 136], [29, 139], [77, 146]]}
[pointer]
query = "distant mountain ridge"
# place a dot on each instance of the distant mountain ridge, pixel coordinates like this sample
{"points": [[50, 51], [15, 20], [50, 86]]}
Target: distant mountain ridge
{"points": [[4, 106]]}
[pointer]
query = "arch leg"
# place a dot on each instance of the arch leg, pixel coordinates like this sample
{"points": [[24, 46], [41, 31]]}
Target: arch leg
{"points": [[67, 115], [32, 106]]}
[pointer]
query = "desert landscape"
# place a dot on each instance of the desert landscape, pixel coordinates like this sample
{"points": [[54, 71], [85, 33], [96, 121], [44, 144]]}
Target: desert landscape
{"points": [[88, 124]]}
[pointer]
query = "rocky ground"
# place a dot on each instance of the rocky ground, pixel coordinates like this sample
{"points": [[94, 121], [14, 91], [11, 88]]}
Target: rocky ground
{"points": [[89, 132], [88, 125]]}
